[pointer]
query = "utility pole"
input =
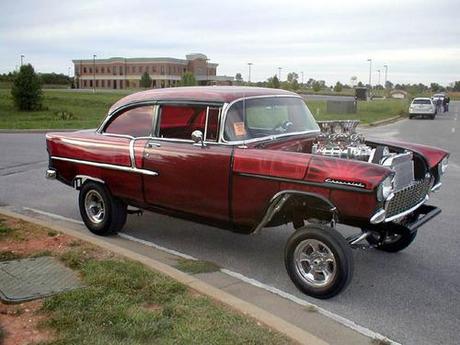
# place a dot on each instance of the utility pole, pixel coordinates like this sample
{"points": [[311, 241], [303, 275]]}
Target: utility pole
{"points": [[22, 59], [279, 73], [302, 77], [379, 76], [249, 72], [94, 73], [386, 74], [370, 72]]}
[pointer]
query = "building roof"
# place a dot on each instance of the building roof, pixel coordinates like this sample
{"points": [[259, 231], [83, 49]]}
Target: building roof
{"points": [[121, 59], [215, 94]]}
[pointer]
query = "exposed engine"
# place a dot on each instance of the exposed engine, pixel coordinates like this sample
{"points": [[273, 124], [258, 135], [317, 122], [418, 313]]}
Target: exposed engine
{"points": [[339, 139]]}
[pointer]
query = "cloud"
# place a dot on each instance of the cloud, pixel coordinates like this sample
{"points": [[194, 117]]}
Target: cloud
{"points": [[326, 40]]}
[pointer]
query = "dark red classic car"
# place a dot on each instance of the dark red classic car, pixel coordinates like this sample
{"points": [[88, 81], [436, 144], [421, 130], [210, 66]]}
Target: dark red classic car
{"points": [[243, 159]]}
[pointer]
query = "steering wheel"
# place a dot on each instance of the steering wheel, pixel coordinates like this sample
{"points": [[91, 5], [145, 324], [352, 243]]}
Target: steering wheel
{"points": [[284, 126]]}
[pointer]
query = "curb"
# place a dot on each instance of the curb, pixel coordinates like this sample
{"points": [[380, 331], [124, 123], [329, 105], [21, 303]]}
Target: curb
{"points": [[384, 121], [293, 332]]}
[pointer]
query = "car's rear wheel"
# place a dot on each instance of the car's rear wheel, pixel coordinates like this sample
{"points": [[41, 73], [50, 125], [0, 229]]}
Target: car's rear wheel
{"points": [[102, 213], [319, 261]]}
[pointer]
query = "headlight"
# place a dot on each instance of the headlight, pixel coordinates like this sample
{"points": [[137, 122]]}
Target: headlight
{"points": [[443, 166], [385, 189]]}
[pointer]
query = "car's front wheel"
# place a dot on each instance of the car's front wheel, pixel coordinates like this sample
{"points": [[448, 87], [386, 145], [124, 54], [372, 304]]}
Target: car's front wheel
{"points": [[102, 213], [393, 242], [319, 261]]}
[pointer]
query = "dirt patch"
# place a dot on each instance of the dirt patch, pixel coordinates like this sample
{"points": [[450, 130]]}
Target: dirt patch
{"points": [[20, 323]]}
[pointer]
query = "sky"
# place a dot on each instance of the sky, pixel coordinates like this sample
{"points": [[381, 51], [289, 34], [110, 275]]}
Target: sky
{"points": [[326, 40]]}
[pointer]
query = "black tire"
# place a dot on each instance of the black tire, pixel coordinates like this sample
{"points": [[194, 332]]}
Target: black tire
{"points": [[335, 244], [432, 117], [411, 117], [113, 217], [394, 242]]}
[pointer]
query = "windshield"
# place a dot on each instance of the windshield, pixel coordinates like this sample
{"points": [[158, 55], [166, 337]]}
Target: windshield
{"points": [[261, 117], [421, 101]]}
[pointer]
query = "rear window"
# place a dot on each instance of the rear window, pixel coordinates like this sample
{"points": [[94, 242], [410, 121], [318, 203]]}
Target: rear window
{"points": [[421, 101]]}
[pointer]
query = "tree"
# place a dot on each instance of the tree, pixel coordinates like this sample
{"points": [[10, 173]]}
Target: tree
{"points": [[188, 79], [27, 89], [360, 84], [338, 87], [457, 86], [273, 82], [238, 78], [146, 81], [316, 86], [388, 85], [434, 87], [292, 79]]}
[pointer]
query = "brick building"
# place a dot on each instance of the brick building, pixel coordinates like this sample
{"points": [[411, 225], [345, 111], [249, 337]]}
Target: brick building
{"points": [[122, 73]]}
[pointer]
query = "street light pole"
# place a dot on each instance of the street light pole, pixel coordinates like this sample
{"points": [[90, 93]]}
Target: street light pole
{"points": [[302, 77], [22, 59], [279, 73], [249, 72], [386, 74], [94, 72], [370, 72], [379, 76]]}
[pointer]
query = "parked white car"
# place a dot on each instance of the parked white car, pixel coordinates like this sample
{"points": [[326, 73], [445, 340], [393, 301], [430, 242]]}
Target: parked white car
{"points": [[422, 107]]}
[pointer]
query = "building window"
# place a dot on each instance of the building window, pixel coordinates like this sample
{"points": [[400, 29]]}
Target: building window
{"points": [[90, 70], [108, 69], [90, 83], [162, 69], [84, 69], [102, 70], [97, 83], [154, 69], [114, 70], [96, 70], [103, 83], [139, 69], [121, 70]]}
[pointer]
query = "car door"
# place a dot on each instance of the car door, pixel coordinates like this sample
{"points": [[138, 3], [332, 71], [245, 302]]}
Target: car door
{"points": [[193, 178]]}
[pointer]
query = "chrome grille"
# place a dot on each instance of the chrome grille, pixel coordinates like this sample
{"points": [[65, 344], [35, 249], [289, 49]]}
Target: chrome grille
{"points": [[408, 197]]}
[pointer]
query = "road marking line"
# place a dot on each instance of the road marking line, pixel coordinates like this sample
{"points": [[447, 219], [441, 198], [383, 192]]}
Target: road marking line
{"points": [[339, 319], [154, 245]]}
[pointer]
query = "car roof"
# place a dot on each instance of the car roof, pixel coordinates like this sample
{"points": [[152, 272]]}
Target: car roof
{"points": [[422, 98], [212, 94]]}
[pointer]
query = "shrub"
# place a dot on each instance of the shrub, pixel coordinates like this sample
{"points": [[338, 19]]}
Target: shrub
{"points": [[26, 90]]}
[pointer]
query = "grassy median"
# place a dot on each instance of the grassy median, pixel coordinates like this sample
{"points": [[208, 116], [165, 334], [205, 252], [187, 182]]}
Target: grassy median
{"points": [[367, 112], [81, 109], [122, 301]]}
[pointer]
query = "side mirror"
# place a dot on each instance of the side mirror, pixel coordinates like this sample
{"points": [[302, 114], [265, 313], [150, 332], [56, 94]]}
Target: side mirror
{"points": [[197, 137]]}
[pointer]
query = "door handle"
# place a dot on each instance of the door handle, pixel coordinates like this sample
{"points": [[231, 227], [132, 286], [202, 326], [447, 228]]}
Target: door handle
{"points": [[153, 145]]}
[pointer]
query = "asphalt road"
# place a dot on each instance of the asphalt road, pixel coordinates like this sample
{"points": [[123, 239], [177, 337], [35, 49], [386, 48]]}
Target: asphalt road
{"points": [[411, 297]]}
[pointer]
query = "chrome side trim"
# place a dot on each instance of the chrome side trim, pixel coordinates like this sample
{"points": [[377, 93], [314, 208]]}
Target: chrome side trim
{"points": [[402, 214], [107, 166]]}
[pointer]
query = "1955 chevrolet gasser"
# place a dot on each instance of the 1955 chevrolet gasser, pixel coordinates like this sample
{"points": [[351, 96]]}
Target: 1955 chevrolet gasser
{"points": [[243, 159]]}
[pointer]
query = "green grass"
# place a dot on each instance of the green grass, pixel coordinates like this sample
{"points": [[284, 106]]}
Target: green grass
{"points": [[62, 109], [196, 266], [4, 230], [125, 303], [368, 112]]}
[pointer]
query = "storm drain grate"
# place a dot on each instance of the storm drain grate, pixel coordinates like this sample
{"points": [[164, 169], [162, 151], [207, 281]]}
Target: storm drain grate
{"points": [[28, 279]]}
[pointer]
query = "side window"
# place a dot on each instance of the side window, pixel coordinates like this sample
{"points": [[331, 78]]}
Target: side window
{"points": [[179, 121], [136, 122]]}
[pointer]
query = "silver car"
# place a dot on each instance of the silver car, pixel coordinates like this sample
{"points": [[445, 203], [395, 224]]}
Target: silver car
{"points": [[422, 106]]}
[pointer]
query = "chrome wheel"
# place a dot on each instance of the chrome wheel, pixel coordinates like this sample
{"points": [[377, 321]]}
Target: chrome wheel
{"points": [[94, 206], [315, 263]]}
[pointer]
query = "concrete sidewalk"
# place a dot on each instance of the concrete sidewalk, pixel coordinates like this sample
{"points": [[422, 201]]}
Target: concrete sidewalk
{"points": [[302, 323]]}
